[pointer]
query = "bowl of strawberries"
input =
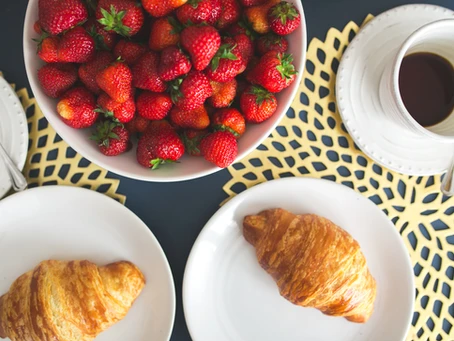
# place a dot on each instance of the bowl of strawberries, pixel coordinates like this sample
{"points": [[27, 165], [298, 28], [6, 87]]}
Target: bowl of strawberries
{"points": [[164, 90]]}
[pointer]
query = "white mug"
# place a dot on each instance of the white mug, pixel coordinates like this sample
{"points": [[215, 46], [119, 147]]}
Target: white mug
{"points": [[436, 38]]}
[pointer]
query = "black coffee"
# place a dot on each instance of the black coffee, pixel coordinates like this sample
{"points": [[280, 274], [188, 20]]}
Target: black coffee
{"points": [[426, 83]]}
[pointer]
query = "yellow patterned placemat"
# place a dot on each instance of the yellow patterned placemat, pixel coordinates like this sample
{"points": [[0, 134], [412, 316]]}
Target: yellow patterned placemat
{"points": [[311, 141], [51, 161]]}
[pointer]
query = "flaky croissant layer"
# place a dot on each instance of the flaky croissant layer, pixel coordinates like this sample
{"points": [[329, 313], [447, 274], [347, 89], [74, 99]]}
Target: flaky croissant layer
{"points": [[68, 301], [314, 262]]}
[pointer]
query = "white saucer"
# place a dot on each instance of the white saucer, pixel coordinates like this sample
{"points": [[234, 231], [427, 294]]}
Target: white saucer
{"points": [[357, 91], [70, 223], [227, 296], [13, 132]]}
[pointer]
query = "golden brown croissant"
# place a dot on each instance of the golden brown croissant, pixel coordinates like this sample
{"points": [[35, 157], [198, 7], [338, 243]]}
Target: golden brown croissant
{"points": [[314, 263], [68, 301]]}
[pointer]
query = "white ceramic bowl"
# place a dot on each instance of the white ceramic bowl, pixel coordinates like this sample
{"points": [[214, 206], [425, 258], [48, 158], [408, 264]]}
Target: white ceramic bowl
{"points": [[126, 164]]}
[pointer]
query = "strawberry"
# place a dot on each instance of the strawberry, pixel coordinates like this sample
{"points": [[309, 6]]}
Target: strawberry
{"points": [[220, 148], [104, 40], [160, 8], [230, 13], [191, 92], [118, 112], [193, 119], [246, 47], [284, 18], [164, 32], [153, 106], [48, 48], [202, 43], [257, 104], [112, 139], [216, 11], [226, 63], [129, 51], [271, 42], [77, 108], [191, 139], [223, 93], [229, 119], [258, 16], [88, 71], [250, 3], [138, 124], [116, 81], [173, 63], [56, 16], [274, 71], [241, 27], [145, 73], [199, 11], [76, 46], [124, 17], [159, 145], [55, 79]]}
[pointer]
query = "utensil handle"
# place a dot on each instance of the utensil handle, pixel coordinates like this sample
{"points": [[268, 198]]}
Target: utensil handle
{"points": [[447, 186], [17, 179]]}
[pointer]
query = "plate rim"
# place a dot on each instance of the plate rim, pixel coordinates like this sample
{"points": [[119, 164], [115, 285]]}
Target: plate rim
{"points": [[100, 197], [190, 264]]}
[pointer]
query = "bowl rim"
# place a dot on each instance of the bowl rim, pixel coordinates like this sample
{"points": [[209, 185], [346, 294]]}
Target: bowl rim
{"points": [[73, 143]]}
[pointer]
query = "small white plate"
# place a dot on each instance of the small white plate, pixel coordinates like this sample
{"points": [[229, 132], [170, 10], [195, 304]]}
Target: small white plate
{"points": [[227, 296], [69, 223], [13, 132], [357, 91]]}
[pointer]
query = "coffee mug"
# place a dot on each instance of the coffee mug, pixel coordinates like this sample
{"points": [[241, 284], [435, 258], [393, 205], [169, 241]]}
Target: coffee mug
{"points": [[436, 38]]}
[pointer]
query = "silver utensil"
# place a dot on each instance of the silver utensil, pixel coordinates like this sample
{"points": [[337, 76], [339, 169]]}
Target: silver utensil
{"points": [[17, 179], [447, 186]]}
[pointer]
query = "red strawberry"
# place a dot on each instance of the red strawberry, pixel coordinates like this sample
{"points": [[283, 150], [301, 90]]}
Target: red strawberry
{"points": [[202, 43], [119, 112], [88, 71], [271, 42], [199, 11], [129, 51], [216, 11], [229, 119], [173, 63], [191, 92], [159, 146], [112, 139], [55, 79], [284, 18], [257, 104], [258, 16], [56, 16], [76, 46], [192, 119], [104, 40], [227, 62], [250, 3], [223, 93], [77, 108], [153, 106], [220, 148], [160, 8], [246, 47], [116, 81], [145, 73], [48, 48], [191, 139], [230, 14], [137, 125], [124, 17], [164, 32], [274, 71]]}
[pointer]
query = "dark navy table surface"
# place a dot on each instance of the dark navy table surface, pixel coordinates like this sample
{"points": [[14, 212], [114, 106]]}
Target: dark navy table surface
{"points": [[177, 212]]}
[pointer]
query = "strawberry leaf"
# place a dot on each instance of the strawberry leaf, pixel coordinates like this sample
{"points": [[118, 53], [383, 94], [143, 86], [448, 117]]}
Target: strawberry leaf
{"points": [[224, 52], [155, 163], [113, 21], [286, 67]]}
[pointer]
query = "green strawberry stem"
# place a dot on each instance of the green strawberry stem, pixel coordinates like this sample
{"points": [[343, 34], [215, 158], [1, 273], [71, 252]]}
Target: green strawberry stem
{"points": [[286, 67], [174, 89], [225, 51], [221, 127], [155, 163], [100, 43], [261, 94], [113, 21], [108, 114], [284, 11], [104, 133]]}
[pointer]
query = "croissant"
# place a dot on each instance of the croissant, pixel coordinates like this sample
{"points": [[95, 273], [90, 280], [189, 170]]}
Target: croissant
{"points": [[314, 263], [68, 301]]}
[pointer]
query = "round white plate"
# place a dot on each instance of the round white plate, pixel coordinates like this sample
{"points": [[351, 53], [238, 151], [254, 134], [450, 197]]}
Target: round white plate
{"points": [[357, 91], [69, 223], [227, 296], [13, 132]]}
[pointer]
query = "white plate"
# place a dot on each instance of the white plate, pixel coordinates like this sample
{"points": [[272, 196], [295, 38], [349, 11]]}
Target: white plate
{"points": [[227, 296], [68, 223], [357, 92], [13, 132]]}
